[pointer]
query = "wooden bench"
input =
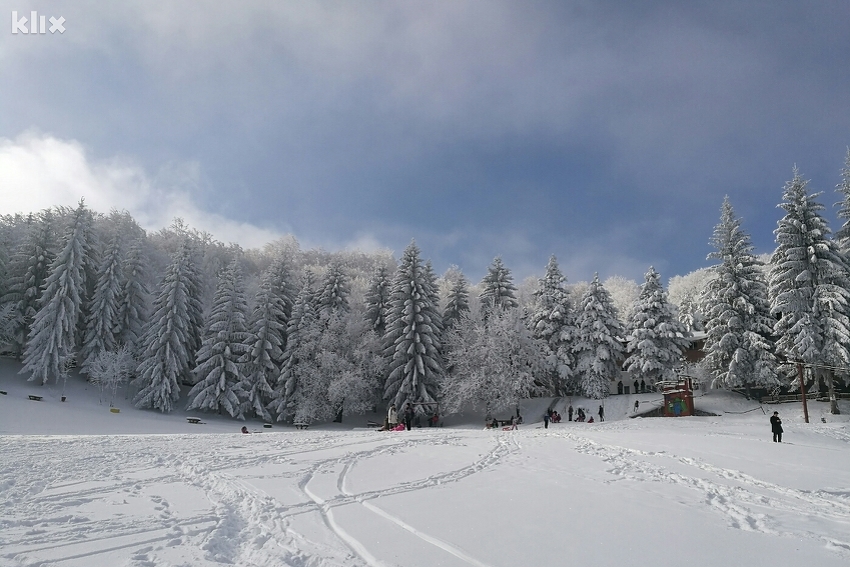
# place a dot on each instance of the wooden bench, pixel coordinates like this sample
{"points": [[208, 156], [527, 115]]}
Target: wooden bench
{"points": [[194, 420], [35, 398], [267, 425], [301, 425]]}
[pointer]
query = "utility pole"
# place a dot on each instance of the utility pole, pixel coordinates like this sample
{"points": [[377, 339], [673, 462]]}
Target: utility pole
{"points": [[803, 391]]}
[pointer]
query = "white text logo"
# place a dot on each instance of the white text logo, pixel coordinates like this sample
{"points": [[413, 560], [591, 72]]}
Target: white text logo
{"points": [[37, 24]]}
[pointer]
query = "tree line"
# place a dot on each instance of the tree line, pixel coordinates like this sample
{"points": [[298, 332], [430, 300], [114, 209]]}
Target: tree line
{"points": [[306, 335]]}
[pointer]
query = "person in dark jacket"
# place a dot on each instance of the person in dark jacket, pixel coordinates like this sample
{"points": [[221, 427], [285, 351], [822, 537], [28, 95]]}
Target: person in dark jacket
{"points": [[546, 417], [776, 427], [408, 415], [601, 413], [570, 413]]}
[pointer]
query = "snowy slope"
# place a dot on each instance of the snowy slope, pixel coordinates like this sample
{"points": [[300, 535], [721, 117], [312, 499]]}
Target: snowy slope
{"points": [[700, 491]]}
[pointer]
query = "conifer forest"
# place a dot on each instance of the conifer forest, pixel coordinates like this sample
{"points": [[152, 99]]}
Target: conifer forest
{"points": [[176, 319]]}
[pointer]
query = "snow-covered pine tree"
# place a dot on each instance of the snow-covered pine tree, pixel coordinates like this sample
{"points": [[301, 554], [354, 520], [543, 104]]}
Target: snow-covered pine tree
{"points": [[264, 357], [656, 337], [496, 363], [843, 234], [335, 290], [133, 298], [28, 268], [165, 360], [808, 287], [219, 375], [284, 287], [457, 302], [102, 321], [738, 346], [497, 287], [378, 300], [52, 339], [195, 286], [301, 392], [599, 343], [413, 346], [553, 321]]}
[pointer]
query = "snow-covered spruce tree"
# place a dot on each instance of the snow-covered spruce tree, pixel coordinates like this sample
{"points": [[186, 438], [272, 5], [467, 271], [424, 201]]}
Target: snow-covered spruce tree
{"points": [[843, 234], [28, 268], [808, 287], [219, 375], [301, 392], [553, 321], [457, 302], [738, 346], [102, 321], [656, 337], [282, 284], [378, 300], [264, 357], [335, 290], [599, 343], [495, 363], [52, 339], [133, 298], [413, 346], [497, 288], [195, 286], [166, 357]]}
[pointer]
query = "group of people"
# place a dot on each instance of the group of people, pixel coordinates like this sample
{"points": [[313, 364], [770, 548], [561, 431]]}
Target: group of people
{"points": [[493, 423], [408, 417], [580, 416]]}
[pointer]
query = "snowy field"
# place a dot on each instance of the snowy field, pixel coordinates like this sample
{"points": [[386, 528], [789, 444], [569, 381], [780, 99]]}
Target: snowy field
{"points": [[81, 486]]}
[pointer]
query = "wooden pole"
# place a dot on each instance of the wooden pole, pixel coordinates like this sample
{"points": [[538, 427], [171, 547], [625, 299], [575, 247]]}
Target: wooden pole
{"points": [[803, 392]]}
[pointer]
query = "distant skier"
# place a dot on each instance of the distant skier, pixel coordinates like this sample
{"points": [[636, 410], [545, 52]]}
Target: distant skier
{"points": [[776, 427]]}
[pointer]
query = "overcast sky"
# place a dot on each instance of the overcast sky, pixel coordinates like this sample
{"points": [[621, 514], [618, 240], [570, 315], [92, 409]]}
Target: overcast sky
{"points": [[605, 132]]}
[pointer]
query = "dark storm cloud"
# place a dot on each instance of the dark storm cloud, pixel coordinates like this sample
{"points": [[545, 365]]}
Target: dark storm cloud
{"points": [[604, 132]]}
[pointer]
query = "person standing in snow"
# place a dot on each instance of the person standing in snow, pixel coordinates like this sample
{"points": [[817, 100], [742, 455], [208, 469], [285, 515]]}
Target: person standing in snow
{"points": [[776, 427], [392, 416], [546, 417], [570, 413], [637, 405], [408, 415], [601, 413]]}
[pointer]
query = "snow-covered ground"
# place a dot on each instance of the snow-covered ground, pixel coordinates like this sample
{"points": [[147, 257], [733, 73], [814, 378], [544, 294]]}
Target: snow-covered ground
{"points": [[82, 486]]}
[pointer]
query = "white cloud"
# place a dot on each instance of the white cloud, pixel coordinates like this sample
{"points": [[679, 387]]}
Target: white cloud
{"points": [[38, 171]]}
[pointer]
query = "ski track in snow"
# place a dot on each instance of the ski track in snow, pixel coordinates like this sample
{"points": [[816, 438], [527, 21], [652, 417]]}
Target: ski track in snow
{"points": [[738, 498], [242, 525], [71, 489]]}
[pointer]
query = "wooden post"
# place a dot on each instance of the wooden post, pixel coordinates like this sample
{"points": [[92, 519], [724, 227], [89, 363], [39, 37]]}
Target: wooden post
{"points": [[803, 392]]}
